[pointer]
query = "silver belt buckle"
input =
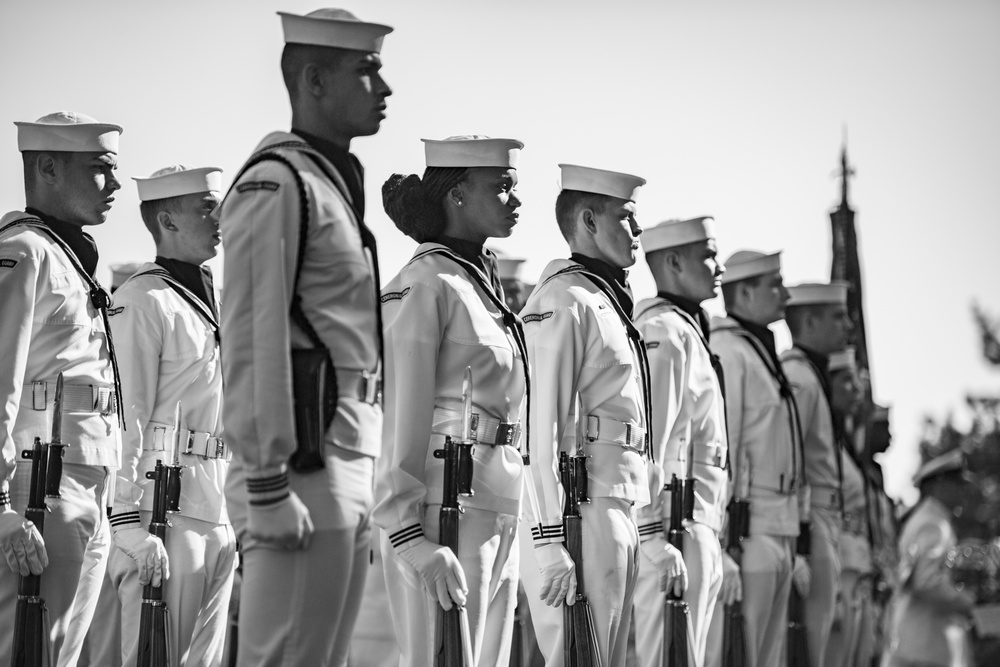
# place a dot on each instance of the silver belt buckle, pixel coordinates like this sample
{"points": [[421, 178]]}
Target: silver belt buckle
{"points": [[109, 408], [371, 388], [593, 428], [39, 395], [159, 438], [473, 427], [189, 446], [508, 434], [220, 448]]}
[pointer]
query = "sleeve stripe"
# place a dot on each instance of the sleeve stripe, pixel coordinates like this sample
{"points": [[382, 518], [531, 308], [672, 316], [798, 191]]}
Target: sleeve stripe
{"points": [[650, 529], [124, 519], [401, 537]]}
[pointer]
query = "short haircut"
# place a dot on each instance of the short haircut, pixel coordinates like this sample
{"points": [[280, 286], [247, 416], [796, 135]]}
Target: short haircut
{"points": [[570, 202], [30, 159], [296, 56], [730, 290], [149, 210], [795, 316]]}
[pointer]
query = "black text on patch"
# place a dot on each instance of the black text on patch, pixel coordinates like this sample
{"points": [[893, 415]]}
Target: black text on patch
{"points": [[116, 311], [537, 317], [394, 296], [250, 186], [7, 263], [652, 344]]}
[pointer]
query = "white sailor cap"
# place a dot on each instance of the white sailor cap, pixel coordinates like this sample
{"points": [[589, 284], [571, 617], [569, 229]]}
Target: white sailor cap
{"points": [[818, 294], [673, 233], [949, 461], [336, 28], [509, 267], [177, 180], [601, 181], [69, 132], [472, 150], [750, 264], [842, 360]]}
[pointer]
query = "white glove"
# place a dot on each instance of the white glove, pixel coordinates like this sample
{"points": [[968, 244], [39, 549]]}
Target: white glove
{"points": [[732, 582], [438, 566], [286, 524], [667, 559], [146, 550], [22, 544], [558, 574], [801, 576]]}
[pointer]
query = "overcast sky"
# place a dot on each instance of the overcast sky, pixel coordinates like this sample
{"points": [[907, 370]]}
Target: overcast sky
{"points": [[732, 109]]}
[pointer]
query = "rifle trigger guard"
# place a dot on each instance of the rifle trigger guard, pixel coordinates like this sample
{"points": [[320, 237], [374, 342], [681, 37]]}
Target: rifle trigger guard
{"points": [[439, 453]]}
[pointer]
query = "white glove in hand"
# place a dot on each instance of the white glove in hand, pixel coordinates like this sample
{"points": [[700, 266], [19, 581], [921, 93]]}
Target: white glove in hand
{"points": [[443, 575], [801, 576], [667, 559], [22, 544], [147, 551], [558, 574], [732, 582], [285, 524]]}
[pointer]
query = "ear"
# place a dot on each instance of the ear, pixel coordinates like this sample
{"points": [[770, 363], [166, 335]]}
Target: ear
{"points": [[673, 261], [588, 221], [455, 195], [312, 80], [165, 221], [47, 168]]}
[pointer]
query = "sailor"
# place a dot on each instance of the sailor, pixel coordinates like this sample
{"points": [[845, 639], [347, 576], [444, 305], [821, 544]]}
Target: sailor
{"points": [[816, 315], [55, 321], [301, 280], [515, 290], [589, 397], [444, 313], [765, 449], [165, 321], [687, 431], [929, 617]]}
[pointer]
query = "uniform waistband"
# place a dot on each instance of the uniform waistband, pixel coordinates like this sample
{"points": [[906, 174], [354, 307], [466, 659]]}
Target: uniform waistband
{"points": [[75, 398], [364, 386], [194, 443], [485, 429], [604, 430], [825, 497], [711, 454], [775, 482]]}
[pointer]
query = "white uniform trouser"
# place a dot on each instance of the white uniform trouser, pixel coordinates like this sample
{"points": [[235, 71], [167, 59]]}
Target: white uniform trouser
{"points": [[824, 567], [487, 550], [767, 582], [103, 645], [374, 642], [202, 558], [299, 607], [610, 572], [703, 558], [76, 540]]}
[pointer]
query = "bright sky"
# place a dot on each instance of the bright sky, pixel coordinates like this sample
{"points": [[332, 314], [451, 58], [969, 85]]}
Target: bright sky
{"points": [[727, 108]]}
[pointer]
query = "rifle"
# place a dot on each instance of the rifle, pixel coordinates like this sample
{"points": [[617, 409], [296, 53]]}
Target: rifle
{"points": [[154, 618], [675, 609], [580, 648], [31, 619], [454, 639], [798, 641], [734, 630]]}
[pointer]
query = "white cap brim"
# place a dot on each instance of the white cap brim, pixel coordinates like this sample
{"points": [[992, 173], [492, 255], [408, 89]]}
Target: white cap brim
{"points": [[67, 132], [674, 233], [178, 183], [758, 266], [600, 181], [340, 33], [817, 294], [472, 152]]}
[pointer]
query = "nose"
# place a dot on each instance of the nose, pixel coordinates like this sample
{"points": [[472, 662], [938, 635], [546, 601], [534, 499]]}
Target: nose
{"points": [[513, 201], [784, 294], [636, 228], [113, 183], [720, 268], [383, 87]]}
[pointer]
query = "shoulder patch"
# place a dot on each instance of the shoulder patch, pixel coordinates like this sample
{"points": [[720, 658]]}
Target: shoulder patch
{"points": [[116, 311], [250, 186], [394, 296], [536, 317], [652, 344], [7, 263]]}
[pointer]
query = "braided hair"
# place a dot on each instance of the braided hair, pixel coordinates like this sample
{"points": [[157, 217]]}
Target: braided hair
{"points": [[416, 205]]}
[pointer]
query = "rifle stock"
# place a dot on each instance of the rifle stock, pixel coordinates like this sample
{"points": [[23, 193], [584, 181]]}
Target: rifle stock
{"points": [[31, 617], [454, 639], [734, 634], [580, 647], [675, 609]]}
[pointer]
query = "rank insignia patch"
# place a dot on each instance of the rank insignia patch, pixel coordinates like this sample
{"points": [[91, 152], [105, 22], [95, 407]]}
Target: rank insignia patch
{"points": [[115, 311], [394, 296], [536, 317], [6, 263], [250, 186]]}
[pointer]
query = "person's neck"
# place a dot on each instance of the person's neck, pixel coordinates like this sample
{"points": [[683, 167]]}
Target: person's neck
{"points": [[809, 344], [317, 127], [53, 210], [179, 257], [669, 287], [743, 314]]}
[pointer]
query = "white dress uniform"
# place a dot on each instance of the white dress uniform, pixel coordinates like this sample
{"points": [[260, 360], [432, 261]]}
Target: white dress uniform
{"points": [[291, 609], [688, 436], [823, 474], [169, 351], [580, 350], [50, 326], [440, 320], [766, 453]]}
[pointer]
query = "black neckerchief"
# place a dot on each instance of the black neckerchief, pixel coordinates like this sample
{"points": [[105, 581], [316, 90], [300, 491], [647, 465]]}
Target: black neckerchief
{"points": [[766, 338], [841, 439], [79, 241], [475, 254], [347, 164], [692, 308], [197, 279], [820, 363], [617, 279]]}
